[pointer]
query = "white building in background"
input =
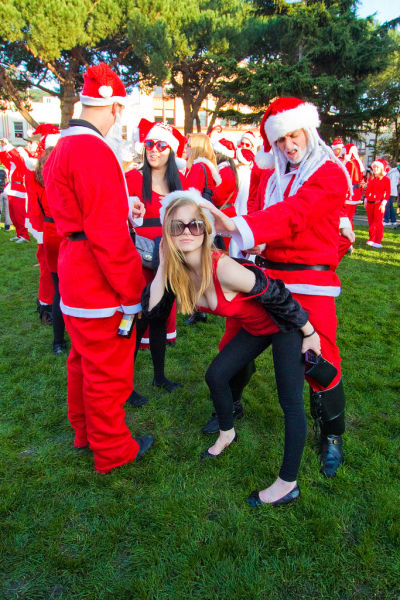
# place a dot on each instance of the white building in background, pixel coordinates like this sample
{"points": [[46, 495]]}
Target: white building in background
{"points": [[156, 106]]}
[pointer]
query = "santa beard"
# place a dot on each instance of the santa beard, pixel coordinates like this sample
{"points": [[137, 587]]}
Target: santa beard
{"points": [[115, 140], [300, 155]]}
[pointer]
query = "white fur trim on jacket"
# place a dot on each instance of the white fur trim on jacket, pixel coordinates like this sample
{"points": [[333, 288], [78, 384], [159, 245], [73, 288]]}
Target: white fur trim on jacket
{"points": [[51, 140], [214, 171], [180, 163], [303, 116], [190, 194]]}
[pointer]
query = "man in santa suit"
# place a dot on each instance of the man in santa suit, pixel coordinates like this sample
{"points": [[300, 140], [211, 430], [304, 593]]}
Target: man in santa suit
{"points": [[299, 233], [99, 269], [15, 190]]}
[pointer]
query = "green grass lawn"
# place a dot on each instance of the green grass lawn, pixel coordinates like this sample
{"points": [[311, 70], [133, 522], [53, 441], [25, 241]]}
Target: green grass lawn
{"points": [[170, 527]]}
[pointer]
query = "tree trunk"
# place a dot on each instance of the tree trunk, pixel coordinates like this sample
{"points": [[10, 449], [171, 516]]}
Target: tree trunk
{"points": [[218, 106], [377, 128], [198, 124], [15, 96], [68, 99]]}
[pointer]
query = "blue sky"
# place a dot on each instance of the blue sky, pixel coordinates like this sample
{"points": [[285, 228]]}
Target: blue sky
{"points": [[385, 9]]}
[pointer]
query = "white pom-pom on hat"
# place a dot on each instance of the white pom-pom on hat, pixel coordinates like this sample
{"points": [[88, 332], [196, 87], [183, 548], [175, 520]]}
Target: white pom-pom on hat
{"points": [[105, 91], [265, 160]]}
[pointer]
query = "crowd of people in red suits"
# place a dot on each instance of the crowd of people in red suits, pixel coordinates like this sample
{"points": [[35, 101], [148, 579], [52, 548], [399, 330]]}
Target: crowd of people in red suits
{"points": [[288, 208]]}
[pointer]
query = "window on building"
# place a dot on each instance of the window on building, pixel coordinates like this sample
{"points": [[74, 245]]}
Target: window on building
{"points": [[18, 129], [203, 118], [47, 99], [157, 90], [158, 115], [170, 116], [124, 132]]}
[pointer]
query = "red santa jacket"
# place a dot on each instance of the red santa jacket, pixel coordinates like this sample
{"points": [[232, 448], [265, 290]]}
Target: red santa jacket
{"points": [[87, 192], [226, 192], [195, 176], [378, 190], [303, 228], [15, 165], [134, 180], [356, 176]]}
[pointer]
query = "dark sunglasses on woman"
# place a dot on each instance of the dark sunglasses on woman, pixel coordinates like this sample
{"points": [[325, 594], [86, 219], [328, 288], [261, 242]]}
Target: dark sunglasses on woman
{"points": [[161, 146], [196, 227]]}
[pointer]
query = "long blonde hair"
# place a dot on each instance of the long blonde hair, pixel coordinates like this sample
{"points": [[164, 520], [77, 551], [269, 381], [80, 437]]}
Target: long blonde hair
{"points": [[200, 147], [176, 270]]}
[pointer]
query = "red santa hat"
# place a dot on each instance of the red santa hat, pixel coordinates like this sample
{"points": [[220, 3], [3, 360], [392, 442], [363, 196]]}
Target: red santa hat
{"points": [[165, 133], [249, 135], [337, 143], [282, 116], [224, 147], [49, 137], [102, 87], [381, 163], [352, 152]]}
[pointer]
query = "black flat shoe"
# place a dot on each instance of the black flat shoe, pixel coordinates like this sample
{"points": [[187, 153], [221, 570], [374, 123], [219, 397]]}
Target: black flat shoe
{"points": [[168, 385], [206, 454], [145, 443], [137, 400], [331, 454], [254, 498], [212, 426]]}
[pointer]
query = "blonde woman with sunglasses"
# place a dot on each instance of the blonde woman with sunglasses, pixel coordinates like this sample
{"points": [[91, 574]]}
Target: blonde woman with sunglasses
{"points": [[259, 312]]}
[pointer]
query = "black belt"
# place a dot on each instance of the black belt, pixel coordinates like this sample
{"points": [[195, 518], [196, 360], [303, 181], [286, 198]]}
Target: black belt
{"points": [[279, 266], [48, 220], [18, 182], [373, 201], [151, 223], [77, 236], [356, 186]]}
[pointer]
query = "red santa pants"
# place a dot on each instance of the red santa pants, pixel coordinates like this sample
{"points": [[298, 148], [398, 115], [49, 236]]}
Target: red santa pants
{"points": [[322, 315], [375, 222], [17, 210], [350, 210], [46, 287], [100, 375]]}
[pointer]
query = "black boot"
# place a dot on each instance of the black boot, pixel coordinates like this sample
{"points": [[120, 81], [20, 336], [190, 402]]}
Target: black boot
{"points": [[327, 410], [212, 426], [45, 314], [196, 317], [331, 454]]}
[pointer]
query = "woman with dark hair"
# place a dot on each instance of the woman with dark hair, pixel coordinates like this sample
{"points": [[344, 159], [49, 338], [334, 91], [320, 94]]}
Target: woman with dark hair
{"points": [[51, 243], [163, 148], [259, 312]]}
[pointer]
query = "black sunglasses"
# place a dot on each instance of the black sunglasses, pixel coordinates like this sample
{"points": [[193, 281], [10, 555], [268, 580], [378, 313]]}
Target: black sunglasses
{"points": [[196, 227], [161, 146]]}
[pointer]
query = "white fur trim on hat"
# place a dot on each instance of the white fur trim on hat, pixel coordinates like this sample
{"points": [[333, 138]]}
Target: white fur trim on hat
{"points": [[51, 140], [302, 117], [265, 160], [160, 133], [190, 194], [221, 149], [89, 101]]}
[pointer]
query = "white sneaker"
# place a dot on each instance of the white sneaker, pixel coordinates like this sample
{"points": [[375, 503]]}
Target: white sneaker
{"points": [[375, 245], [369, 243], [386, 223], [14, 239], [21, 240]]}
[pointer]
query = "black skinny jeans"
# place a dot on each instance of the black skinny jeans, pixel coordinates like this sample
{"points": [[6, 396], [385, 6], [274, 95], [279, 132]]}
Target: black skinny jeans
{"points": [[58, 319], [158, 343], [289, 376]]}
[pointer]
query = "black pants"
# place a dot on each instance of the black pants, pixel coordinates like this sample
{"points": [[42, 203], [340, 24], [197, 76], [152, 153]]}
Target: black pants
{"points": [[289, 376], [157, 342], [58, 319]]}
